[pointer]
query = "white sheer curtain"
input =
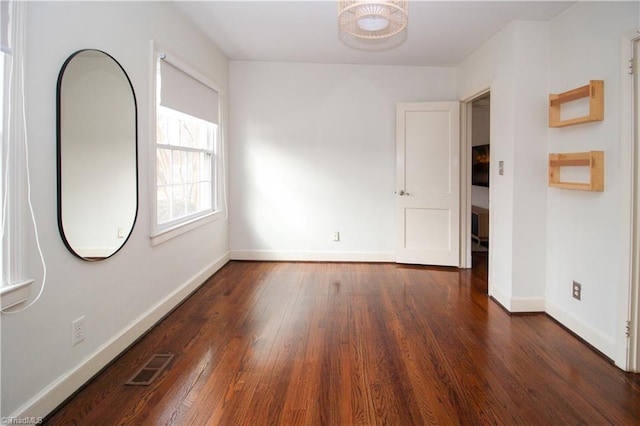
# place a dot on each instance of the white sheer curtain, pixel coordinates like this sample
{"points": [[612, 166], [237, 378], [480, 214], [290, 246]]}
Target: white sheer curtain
{"points": [[13, 206], [16, 202]]}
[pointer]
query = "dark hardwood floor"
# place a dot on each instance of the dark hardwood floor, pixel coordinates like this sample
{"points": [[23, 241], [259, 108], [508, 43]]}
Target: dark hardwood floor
{"points": [[342, 344]]}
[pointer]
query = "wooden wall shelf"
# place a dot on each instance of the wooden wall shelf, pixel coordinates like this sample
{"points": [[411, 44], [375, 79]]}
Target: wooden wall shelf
{"points": [[594, 91], [592, 159]]}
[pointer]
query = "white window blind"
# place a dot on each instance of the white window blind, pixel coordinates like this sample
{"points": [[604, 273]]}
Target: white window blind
{"points": [[181, 92]]}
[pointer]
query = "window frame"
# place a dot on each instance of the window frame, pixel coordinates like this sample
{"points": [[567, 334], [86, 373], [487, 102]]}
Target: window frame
{"points": [[163, 232]]}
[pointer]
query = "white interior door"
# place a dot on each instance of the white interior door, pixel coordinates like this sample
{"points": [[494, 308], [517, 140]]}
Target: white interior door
{"points": [[428, 183]]}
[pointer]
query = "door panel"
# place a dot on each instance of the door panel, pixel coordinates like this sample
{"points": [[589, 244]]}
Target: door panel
{"points": [[425, 126], [429, 229], [427, 183]]}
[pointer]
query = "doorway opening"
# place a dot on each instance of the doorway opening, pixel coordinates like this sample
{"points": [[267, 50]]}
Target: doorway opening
{"points": [[477, 146]]}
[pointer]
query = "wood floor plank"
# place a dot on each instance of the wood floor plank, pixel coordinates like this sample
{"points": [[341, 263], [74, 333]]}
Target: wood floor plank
{"points": [[275, 343]]}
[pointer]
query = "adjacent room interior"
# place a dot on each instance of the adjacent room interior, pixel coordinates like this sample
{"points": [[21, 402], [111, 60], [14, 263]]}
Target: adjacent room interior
{"points": [[480, 172]]}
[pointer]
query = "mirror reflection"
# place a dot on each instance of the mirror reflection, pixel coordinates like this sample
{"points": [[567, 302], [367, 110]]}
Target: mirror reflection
{"points": [[97, 155]]}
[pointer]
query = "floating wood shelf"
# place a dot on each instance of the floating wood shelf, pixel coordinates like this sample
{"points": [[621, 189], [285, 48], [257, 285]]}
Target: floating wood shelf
{"points": [[592, 159], [594, 91]]}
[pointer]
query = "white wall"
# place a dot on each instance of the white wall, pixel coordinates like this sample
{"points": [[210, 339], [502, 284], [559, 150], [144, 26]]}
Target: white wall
{"points": [[530, 165], [513, 64], [123, 295], [313, 152], [588, 232]]}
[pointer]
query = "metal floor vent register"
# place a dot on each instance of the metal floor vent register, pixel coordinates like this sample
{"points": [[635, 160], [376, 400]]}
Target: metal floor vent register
{"points": [[150, 370]]}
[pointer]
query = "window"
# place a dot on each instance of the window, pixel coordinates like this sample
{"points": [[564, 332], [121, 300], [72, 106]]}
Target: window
{"points": [[186, 148], [184, 165]]}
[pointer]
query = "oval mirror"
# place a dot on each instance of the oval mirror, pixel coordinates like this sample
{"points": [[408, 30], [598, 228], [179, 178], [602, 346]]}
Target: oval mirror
{"points": [[97, 155]]}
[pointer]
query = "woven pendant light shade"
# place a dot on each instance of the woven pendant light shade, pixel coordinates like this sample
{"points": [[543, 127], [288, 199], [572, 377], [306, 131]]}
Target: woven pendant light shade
{"points": [[372, 20]]}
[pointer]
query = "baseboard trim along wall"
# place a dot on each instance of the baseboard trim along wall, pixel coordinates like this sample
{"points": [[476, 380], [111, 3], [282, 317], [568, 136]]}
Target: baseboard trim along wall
{"points": [[528, 304], [599, 341], [522, 305], [311, 256], [53, 395], [500, 298]]}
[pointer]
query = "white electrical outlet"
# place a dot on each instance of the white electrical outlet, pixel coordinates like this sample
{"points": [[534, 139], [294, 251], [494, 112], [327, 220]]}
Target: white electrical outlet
{"points": [[77, 331], [336, 236], [120, 233]]}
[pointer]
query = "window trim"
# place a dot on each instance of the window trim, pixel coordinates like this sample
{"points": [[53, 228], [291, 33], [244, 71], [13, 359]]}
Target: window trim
{"points": [[159, 233], [186, 226]]}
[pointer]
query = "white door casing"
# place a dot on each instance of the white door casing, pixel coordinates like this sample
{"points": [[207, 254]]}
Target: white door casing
{"points": [[428, 183]]}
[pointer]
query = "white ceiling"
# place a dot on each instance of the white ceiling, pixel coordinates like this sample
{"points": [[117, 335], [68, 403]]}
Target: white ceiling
{"points": [[440, 33]]}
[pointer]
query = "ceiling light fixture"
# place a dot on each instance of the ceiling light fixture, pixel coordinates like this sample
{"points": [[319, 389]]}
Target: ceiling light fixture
{"points": [[372, 19]]}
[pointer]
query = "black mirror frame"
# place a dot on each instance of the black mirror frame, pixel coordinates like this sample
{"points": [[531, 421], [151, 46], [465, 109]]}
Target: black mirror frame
{"points": [[59, 155]]}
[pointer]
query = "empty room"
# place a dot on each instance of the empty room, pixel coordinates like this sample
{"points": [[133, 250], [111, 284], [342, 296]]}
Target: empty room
{"points": [[327, 212]]}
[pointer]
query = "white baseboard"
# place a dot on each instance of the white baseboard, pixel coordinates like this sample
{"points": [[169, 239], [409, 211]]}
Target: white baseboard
{"points": [[529, 304], [621, 359], [599, 341], [311, 256], [513, 305], [500, 297], [54, 394]]}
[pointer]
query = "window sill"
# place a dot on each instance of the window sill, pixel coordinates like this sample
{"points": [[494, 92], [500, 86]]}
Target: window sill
{"points": [[15, 294], [169, 233]]}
